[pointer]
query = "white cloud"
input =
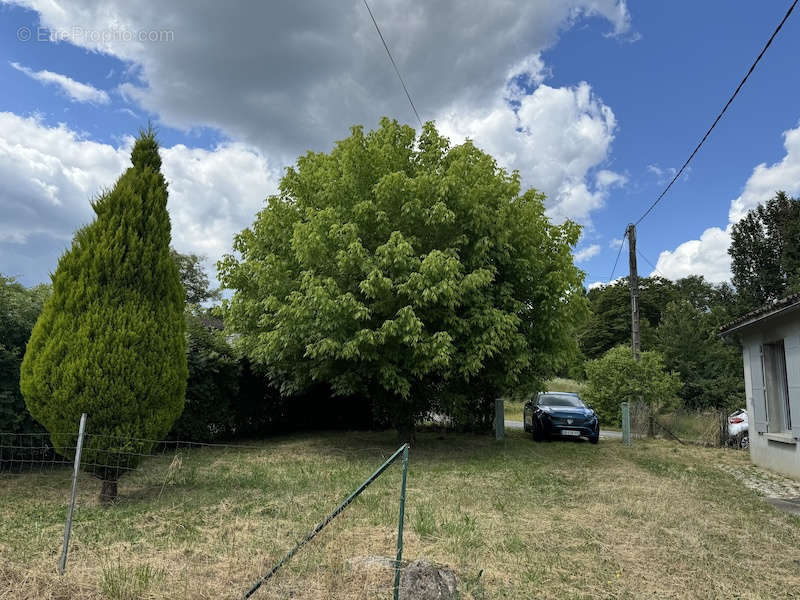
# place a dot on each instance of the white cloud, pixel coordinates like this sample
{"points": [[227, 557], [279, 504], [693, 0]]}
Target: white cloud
{"points": [[766, 180], [294, 76], [555, 138], [708, 256], [662, 175], [599, 284], [615, 243], [606, 179], [587, 253], [49, 175], [77, 91]]}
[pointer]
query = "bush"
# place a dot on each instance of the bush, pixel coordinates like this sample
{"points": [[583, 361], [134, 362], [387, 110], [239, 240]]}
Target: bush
{"points": [[616, 377], [19, 309], [213, 384]]}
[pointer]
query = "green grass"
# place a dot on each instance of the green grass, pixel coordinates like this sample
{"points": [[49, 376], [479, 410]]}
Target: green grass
{"points": [[514, 519]]}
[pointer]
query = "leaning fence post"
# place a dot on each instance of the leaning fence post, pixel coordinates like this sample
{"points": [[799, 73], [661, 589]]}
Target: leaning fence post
{"points": [[626, 423], [62, 564], [399, 559]]}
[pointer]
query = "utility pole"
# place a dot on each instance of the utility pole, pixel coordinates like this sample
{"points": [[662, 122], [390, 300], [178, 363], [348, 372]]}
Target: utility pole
{"points": [[633, 280]]}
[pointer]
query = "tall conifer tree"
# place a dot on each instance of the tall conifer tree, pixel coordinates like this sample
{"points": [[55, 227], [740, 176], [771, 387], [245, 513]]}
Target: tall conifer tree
{"points": [[110, 341]]}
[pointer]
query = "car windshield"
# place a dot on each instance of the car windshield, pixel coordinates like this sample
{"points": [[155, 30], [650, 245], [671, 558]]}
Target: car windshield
{"points": [[560, 400]]}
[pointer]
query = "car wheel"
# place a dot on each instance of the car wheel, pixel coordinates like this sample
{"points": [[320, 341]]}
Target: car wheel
{"points": [[594, 438], [536, 434], [744, 443]]}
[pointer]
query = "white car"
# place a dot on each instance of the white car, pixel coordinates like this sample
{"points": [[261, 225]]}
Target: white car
{"points": [[737, 428]]}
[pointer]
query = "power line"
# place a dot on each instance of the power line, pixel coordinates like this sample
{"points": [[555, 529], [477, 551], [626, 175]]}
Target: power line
{"points": [[719, 116], [396, 70], [652, 266], [621, 243]]}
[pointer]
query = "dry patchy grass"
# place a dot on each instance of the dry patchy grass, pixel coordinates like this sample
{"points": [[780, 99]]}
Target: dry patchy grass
{"points": [[514, 519]]}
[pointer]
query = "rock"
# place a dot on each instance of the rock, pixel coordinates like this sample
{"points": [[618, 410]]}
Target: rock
{"points": [[422, 580]]}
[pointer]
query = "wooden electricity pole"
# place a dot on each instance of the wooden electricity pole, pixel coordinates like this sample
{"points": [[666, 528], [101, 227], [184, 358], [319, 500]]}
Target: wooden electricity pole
{"points": [[633, 280]]}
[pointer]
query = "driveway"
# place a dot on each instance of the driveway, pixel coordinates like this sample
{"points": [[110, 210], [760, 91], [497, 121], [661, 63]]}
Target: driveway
{"points": [[604, 433]]}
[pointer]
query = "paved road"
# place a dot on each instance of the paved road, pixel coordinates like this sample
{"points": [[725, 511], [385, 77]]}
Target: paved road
{"points": [[615, 435]]}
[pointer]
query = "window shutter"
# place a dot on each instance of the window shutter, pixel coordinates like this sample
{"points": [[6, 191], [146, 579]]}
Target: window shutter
{"points": [[757, 385], [793, 380]]}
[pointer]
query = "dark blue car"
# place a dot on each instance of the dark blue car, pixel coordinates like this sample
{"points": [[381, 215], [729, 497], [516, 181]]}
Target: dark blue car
{"points": [[560, 414]]}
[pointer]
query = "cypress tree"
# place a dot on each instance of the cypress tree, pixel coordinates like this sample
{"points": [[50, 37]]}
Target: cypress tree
{"points": [[110, 341]]}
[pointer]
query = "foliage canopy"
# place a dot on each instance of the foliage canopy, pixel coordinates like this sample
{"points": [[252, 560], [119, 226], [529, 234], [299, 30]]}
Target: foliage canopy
{"points": [[765, 252], [19, 309], [409, 271], [616, 377]]}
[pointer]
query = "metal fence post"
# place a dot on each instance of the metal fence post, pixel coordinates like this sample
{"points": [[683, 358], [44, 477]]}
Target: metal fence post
{"points": [[401, 451], [626, 423], [62, 564], [399, 559]]}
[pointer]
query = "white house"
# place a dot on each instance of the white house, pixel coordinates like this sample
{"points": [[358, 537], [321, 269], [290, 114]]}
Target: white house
{"points": [[770, 339]]}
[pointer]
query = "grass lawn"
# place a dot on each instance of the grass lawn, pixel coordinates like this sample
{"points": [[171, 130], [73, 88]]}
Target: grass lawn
{"points": [[514, 519]]}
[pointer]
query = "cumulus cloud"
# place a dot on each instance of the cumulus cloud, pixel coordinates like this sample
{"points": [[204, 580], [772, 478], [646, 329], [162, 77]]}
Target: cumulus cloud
{"points": [[294, 76], [554, 137], [51, 173], [708, 256], [587, 253], [75, 90], [766, 180]]}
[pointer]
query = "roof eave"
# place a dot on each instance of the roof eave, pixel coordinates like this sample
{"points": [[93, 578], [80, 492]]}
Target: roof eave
{"points": [[759, 318]]}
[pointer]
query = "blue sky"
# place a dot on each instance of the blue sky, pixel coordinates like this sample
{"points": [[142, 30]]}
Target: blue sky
{"points": [[618, 94]]}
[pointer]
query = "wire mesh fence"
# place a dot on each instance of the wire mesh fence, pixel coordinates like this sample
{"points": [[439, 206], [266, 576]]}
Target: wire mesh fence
{"points": [[710, 427], [197, 520]]}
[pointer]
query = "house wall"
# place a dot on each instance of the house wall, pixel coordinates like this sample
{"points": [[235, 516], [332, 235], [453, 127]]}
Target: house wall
{"points": [[778, 452]]}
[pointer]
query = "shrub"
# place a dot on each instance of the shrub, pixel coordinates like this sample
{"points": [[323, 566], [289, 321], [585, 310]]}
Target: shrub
{"points": [[616, 377]]}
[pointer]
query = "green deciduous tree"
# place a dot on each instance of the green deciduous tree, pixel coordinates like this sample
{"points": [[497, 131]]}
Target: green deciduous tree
{"points": [[765, 251], [409, 271], [710, 369], [610, 321], [616, 377], [194, 278], [110, 341], [19, 309]]}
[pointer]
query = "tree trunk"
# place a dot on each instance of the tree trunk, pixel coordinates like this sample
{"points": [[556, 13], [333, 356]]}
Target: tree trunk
{"points": [[108, 493]]}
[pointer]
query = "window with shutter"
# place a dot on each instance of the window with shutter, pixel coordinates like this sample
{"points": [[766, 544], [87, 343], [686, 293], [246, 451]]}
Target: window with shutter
{"points": [[779, 419], [757, 385]]}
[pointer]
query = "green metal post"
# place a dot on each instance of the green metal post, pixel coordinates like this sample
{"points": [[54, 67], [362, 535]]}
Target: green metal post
{"points": [[399, 561], [626, 424], [402, 450]]}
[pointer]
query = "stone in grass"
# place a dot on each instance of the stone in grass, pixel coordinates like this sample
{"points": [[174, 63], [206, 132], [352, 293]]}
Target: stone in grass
{"points": [[422, 580]]}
